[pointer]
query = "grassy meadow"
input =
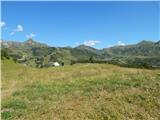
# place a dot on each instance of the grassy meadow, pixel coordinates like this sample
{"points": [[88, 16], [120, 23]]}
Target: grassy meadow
{"points": [[79, 92]]}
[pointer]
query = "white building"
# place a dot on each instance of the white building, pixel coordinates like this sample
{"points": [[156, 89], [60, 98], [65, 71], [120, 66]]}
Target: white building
{"points": [[53, 64], [56, 64]]}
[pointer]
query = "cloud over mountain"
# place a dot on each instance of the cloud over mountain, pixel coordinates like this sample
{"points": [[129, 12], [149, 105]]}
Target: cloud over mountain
{"points": [[120, 43], [91, 42], [31, 35]]}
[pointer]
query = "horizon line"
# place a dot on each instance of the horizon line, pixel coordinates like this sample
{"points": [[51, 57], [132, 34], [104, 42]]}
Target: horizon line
{"points": [[2, 40]]}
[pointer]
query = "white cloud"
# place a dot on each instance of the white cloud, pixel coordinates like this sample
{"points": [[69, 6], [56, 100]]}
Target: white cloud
{"points": [[91, 42], [18, 29], [120, 43], [31, 35], [2, 24]]}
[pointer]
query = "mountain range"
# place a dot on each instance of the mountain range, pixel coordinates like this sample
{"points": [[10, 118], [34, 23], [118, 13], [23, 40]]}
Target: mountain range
{"points": [[31, 53]]}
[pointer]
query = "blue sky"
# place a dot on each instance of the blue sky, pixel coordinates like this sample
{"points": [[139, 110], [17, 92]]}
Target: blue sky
{"points": [[98, 24]]}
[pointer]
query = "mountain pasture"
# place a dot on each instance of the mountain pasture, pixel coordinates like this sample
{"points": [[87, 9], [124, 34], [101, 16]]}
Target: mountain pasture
{"points": [[78, 92]]}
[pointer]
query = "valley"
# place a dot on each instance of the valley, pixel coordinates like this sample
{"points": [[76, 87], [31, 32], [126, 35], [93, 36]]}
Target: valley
{"points": [[145, 54]]}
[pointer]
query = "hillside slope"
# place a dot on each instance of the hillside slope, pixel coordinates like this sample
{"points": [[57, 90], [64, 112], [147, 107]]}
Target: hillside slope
{"points": [[144, 48], [30, 51]]}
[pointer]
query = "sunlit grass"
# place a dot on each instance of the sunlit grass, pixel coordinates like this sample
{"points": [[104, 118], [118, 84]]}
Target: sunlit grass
{"points": [[78, 92]]}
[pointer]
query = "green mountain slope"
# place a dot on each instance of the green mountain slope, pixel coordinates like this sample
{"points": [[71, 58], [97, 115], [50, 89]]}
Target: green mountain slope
{"points": [[83, 52], [144, 48], [30, 51]]}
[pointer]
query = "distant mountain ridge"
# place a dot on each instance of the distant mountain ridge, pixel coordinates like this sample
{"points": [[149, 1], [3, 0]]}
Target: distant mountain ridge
{"points": [[143, 48], [31, 50], [26, 44]]}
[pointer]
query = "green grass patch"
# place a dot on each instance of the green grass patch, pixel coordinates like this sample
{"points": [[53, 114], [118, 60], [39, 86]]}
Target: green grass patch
{"points": [[13, 108], [13, 104], [7, 115], [82, 91]]}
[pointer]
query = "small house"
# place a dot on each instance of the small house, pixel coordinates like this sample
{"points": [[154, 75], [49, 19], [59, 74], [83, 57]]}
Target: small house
{"points": [[53, 64], [56, 64]]}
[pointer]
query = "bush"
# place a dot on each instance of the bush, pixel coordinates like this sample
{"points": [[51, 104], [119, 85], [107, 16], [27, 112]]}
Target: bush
{"points": [[4, 54]]}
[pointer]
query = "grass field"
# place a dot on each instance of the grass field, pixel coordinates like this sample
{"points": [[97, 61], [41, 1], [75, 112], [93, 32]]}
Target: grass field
{"points": [[79, 92]]}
